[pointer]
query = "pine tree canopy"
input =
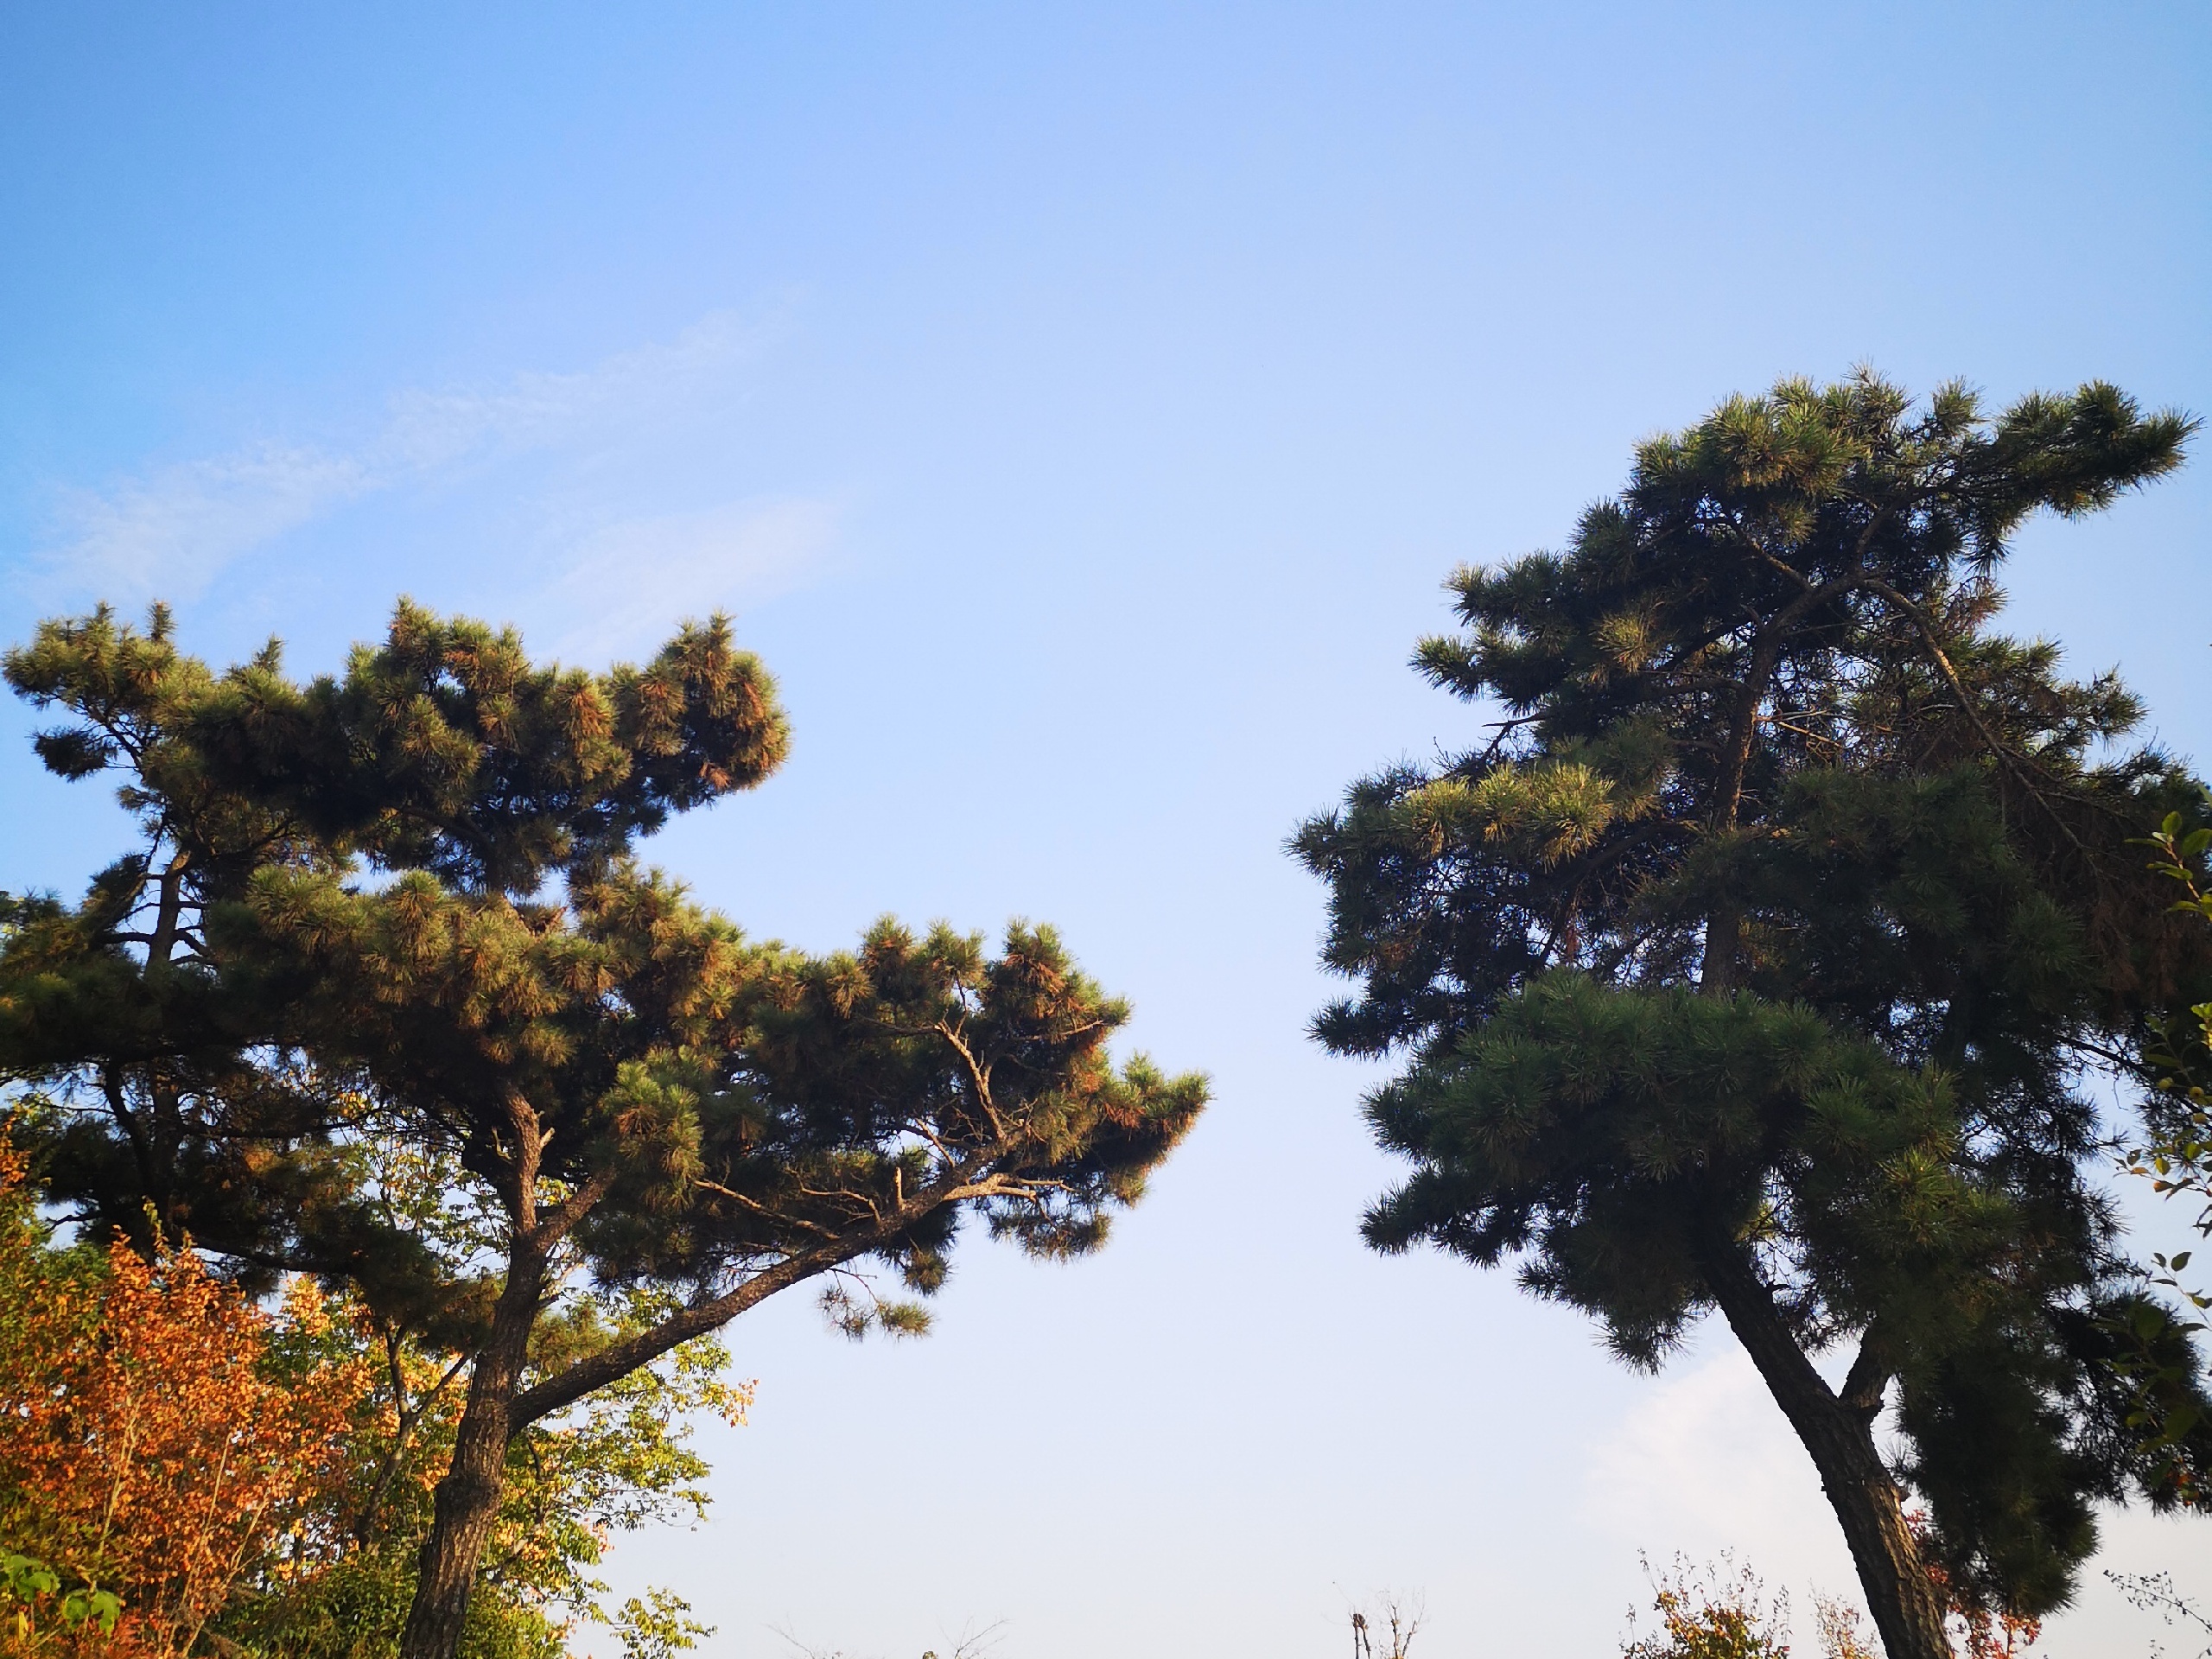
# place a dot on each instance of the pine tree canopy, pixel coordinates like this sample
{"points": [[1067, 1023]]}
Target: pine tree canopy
{"points": [[403, 902], [1754, 961]]}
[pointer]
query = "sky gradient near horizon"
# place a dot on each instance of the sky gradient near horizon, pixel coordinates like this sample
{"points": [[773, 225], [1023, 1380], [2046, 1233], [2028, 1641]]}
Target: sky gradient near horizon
{"points": [[1080, 409]]}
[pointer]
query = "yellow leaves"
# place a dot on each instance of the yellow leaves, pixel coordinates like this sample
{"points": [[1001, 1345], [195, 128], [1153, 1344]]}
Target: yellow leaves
{"points": [[1723, 1611], [154, 1451]]}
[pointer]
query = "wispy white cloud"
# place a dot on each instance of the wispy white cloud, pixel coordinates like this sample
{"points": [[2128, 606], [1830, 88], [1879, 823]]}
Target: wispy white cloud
{"points": [[175, 528], [1705, 1462], [429, 431], [628, 582]]}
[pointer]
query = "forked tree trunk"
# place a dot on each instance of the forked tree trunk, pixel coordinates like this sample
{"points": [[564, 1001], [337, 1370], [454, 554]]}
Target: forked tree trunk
{"points": [[1908, 1613], [468, 1499]]}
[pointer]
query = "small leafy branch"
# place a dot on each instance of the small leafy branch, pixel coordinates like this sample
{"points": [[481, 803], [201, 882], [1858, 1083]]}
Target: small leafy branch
{"points": [[2154, 1356], [2154, 1593], [658, 1626], [29, 1582], [1721, 1611], [1836, 1622], [2176, 1157]]}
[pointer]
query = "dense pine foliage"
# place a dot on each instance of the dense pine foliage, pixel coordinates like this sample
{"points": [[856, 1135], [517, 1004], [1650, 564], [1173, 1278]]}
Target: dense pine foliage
{"points": [[395, 915], [1752, 962]]}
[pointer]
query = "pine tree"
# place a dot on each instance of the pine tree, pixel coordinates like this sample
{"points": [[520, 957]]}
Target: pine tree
{"points": [[404, 901], [1752, 962]]}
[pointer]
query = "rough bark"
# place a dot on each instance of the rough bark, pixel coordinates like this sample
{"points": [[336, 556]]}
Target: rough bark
{"points": [[1838, 1433], [468, 1496], [468, 1500]]}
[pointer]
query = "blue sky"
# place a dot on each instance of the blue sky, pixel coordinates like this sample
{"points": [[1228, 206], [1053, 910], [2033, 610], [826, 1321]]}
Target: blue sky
{"points": [[1080, 408]]}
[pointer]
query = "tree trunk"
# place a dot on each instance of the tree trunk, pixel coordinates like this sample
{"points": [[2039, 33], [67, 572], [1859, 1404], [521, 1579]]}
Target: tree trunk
{"points": [[1907, 1611], [468, 1496]]}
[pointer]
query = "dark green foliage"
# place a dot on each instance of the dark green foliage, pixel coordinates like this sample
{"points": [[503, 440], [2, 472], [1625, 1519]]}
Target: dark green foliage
{"points": [[1604, 1132], [1752, 962], [355, 1611], [446, 750], [2174, 1152], [401, 905], [2179, 1155]]}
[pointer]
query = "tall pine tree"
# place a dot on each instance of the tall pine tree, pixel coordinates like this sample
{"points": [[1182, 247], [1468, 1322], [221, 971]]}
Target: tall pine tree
{"points": [[1752, 962], [402, 901]]}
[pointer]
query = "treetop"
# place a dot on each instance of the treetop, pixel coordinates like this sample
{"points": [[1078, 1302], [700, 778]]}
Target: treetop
{"points": [[444, 748]]}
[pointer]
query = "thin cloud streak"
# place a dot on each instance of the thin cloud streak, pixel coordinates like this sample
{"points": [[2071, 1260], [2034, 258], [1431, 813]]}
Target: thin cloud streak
{"points": [[176, 528], [633, 581], [431, 430]]}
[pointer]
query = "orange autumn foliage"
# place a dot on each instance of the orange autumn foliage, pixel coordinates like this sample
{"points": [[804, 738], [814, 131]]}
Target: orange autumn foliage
{"points": [[1984, 1632], [149, 1444]]}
